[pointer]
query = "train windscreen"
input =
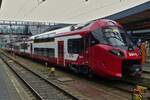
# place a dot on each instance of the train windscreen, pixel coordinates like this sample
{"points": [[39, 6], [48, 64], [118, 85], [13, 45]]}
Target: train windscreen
{"points": [[112, 35]]}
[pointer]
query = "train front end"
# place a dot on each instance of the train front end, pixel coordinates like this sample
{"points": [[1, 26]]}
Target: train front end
{"points": [[112, 54]]}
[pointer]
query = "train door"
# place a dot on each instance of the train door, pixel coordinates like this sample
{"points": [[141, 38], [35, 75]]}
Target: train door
{"points": [[87, 41], [31, 48], [61, 53], [88, 51]]}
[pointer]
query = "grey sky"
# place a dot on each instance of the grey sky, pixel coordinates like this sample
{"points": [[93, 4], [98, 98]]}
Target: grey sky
{"points": [[70, 11]]}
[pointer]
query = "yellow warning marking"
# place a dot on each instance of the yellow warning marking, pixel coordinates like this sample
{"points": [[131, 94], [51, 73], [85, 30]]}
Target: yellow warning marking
{"points": [[138, 92]]}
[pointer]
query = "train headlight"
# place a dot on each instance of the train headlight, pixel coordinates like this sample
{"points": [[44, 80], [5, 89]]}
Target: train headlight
{"points": [[117, 52]]}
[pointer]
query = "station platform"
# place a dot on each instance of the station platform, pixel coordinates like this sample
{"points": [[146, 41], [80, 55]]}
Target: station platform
{"points": [[7, 88], [146, 67], [148, 60]]}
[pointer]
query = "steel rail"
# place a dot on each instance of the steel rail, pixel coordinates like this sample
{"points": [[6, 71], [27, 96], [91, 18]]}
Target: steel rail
{"points": [[47, 81]]}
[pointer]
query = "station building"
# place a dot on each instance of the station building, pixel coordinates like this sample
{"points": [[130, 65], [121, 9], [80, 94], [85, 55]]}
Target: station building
{"points": [[17, 30]]}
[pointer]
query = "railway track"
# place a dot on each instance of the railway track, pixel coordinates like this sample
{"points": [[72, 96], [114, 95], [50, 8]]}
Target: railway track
{"points": [[146, 70], [126, 87], [144, 80], [113, 90], [146, 74], [41, 88]]}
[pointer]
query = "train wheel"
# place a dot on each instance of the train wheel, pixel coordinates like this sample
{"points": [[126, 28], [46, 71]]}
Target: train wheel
{"points": [[73, 68]]}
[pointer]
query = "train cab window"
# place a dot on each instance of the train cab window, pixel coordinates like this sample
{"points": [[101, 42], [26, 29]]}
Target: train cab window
{"points": [[116, 36], [75, 45], [99, 36], [89, 40]]}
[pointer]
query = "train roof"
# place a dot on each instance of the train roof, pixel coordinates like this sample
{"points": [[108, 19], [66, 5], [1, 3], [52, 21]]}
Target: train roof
{"points": [[67, 29], [61, 30]]}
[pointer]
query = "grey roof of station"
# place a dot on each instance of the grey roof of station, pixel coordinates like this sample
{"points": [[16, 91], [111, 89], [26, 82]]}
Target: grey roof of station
{"points": [[129, 12]]}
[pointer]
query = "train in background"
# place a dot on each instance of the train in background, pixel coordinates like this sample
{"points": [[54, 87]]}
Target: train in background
{"points": [[99, 47]]}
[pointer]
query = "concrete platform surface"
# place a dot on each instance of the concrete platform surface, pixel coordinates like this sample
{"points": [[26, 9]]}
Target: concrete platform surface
{"points": [[146, 65], [7, 88]]}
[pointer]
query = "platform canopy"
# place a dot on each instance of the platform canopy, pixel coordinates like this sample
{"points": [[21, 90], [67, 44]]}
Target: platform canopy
{"points": [[137, 17], [63, 11]]}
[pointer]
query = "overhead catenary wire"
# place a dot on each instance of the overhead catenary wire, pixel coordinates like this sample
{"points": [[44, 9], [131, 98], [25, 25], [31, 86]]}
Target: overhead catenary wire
{"points": [[70, 16], [93, 10], [41, 1], [21, 8], [30, 11], [71, 12], [68, 11], [33, 8]]}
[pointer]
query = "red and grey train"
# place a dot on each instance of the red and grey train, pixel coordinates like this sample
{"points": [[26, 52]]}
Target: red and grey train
{"points": [[100, 47]]}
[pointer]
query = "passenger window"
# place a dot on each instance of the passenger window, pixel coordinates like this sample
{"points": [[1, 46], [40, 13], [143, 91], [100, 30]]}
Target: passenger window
{"points": [[49, 39], [75, 45], [24, 46], [47, 52]]}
